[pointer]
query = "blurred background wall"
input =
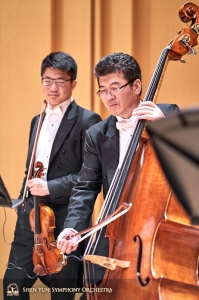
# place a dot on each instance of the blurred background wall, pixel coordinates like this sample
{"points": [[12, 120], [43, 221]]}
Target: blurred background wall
{"points": [[88, 30]]}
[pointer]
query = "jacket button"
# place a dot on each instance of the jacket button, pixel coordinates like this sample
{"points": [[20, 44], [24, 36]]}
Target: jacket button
{"points": [[63, 151], [60, 166]]}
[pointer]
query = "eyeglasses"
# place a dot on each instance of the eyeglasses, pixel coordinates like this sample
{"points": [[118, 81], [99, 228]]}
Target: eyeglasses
{"points": [[58, 81], [113, 91]]}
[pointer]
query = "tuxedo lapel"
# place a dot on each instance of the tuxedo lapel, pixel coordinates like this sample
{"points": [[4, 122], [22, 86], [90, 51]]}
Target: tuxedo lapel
{"points": [[110, 148], [67, 123]]}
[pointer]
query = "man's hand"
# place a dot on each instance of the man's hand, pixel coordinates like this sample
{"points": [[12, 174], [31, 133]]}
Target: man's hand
{"points": [[38, 187], [64, 245], [148, 111]]}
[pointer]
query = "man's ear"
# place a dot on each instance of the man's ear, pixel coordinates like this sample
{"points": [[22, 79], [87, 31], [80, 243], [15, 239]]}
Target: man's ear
{"points": [[138, 86], [74, 83]]}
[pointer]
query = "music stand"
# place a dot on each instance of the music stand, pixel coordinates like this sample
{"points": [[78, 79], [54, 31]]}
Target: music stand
{"points": [[5, 199], [176, 143]]}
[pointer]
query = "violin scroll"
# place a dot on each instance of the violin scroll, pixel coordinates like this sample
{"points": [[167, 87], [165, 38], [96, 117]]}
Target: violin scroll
{"points": [[40, 170]]}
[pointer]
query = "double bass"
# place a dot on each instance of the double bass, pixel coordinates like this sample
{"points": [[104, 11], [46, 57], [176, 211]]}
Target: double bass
{"points": [[153, 249]]}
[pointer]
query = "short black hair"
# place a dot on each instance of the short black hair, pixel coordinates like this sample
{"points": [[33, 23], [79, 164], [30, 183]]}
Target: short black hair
{"points": [[117, 62], [61, 61]]}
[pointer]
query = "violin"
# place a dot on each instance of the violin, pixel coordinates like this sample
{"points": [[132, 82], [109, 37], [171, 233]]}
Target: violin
{"points": [[47, 258], [153, 249]]}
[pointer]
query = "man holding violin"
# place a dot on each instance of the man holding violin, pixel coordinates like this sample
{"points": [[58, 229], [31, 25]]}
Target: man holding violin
{"points": [[119, 81], [60, 148]]}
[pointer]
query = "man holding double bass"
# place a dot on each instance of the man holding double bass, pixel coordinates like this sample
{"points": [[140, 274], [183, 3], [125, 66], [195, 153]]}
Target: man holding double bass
{"points": [[119, 81], [60, 149]]}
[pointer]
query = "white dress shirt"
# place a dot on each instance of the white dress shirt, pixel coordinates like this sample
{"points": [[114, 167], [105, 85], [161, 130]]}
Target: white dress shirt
{"points": [[48, 132], [126, 128]]}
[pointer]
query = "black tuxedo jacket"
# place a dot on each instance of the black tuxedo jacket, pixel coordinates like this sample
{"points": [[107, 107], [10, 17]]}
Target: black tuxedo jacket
{"points": [[67, 152], [101, 158]]}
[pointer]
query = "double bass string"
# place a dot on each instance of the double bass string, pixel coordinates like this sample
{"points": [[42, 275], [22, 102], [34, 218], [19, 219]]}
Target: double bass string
{"points": [[108, 202], [155, 81]]}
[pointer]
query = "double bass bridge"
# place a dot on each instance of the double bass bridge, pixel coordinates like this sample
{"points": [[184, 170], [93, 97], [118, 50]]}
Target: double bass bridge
{"points": [[107, 262]]}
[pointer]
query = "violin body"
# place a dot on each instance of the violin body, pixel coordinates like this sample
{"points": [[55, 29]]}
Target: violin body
{"points": [[155, 236], [47, 258]]}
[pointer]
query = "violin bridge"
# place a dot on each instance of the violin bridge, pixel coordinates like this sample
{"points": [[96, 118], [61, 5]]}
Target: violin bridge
{"points": [[107, 262]]}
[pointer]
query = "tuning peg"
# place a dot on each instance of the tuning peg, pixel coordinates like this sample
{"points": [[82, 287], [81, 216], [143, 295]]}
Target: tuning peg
{"points": [[191, 50]]}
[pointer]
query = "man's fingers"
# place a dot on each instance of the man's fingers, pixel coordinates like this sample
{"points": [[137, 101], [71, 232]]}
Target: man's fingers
{"points": [[66, 246]]}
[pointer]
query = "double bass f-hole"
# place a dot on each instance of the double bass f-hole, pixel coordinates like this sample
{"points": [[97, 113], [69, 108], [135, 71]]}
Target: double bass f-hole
{"points": [[139, 261]]}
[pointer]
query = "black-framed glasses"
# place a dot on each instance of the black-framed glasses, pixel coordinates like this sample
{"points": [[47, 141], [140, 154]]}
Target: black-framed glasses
{"points": [[47, 81], [113, 90]]}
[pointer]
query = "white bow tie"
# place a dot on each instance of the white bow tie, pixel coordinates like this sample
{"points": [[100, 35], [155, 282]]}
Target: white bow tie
{"points": [[125, 125], [56, 111]]}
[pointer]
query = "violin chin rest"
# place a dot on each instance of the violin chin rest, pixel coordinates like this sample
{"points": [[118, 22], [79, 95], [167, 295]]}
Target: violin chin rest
{"points": [[39, 270]]}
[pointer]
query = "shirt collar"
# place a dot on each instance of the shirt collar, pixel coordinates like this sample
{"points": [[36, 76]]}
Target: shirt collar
{"points": [[120, 119], [63, 106]]}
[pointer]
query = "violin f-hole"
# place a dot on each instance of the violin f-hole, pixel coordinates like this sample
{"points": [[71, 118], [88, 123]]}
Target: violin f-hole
{"points": [[47, 244], [139, 260]]}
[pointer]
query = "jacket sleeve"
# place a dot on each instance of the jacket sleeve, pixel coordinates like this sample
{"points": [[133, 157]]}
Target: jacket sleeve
{"points": [[168, 109], [86, 190]]}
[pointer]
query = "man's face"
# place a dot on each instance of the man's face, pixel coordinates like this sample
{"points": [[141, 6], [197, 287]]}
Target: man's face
{"points": [[57, 94], [123, 103]]}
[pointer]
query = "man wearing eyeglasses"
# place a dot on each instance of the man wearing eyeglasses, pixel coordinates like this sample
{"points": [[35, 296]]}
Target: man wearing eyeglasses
{"points": [[60, 149], [119, 80]]}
